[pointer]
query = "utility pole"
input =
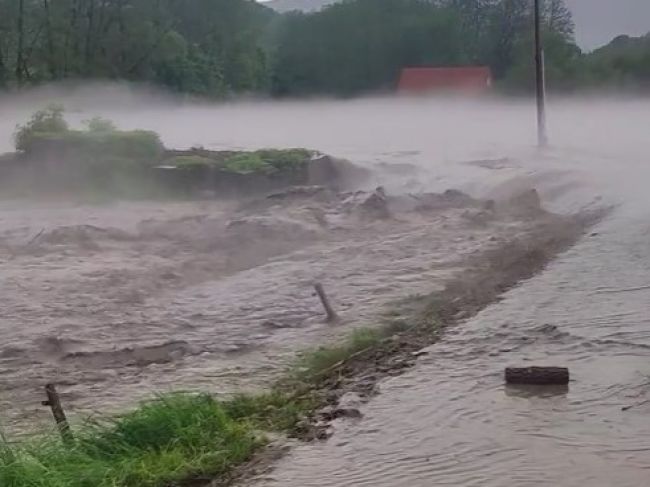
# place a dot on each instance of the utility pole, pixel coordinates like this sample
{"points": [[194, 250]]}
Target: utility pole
{"points": [[542, 136]]}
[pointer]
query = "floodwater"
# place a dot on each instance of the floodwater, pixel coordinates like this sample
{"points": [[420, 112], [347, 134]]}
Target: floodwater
{"points": [[448, 421]]}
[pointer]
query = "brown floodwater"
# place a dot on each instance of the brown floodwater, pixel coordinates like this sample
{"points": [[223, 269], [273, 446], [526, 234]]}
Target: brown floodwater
{"points": [[448, 421], [451, 421]]}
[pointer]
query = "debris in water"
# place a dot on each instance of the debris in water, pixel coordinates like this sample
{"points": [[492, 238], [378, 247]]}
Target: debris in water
{"points": [[537, 375]]}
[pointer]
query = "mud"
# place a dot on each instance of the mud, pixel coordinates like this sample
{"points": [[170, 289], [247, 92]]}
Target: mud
{"points": [[117, 302]]}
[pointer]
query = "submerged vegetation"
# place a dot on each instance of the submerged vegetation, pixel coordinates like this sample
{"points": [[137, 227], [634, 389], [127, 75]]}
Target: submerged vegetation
{"points": [[103, 160], [264, 161]]}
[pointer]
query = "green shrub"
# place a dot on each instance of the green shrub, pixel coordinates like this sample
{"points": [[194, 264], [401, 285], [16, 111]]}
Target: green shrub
{"points": [[267, 161], [48, 130], [284, 159], [246, 163], [47, 121]]}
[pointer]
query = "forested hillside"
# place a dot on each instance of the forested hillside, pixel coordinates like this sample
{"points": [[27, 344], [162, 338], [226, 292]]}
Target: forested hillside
{"points": [[226, 47]]}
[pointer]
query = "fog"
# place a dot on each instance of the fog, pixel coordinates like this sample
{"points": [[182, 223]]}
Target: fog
{"points": [[597, 136], [120, 300]]}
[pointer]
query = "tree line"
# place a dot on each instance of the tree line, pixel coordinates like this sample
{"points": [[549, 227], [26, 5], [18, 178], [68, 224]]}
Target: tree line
{"points": [[225, 47]]}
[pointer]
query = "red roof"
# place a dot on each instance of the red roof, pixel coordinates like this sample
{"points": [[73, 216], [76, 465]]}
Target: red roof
{"points": [[418, 80]]}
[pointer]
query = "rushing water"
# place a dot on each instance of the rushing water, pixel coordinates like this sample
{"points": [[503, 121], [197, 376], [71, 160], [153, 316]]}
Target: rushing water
{"points": [[450, 420]]}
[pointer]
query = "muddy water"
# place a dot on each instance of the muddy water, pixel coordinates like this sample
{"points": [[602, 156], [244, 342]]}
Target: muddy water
{"points": [[450, 421], [116, 303], [199, 321]]}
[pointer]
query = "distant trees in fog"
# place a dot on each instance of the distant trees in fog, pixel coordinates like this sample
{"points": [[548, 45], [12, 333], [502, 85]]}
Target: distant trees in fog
{"points": [[222, 47]]}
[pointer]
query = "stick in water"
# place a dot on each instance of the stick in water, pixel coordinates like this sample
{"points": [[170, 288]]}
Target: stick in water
{"points": [[331, 315], [57, 411]]}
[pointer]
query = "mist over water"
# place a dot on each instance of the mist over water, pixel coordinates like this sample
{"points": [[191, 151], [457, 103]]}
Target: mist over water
{"points": [[589, 134], [450, 421]]}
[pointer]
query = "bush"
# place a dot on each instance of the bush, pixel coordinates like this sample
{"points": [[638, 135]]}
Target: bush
{"points": [[48, 130], [284, 159], [246, 163], [47, 121], [267, 161]]}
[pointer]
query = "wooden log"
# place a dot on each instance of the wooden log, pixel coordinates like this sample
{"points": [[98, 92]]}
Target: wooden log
{"points": [[542, 376], [54, 402], [331, 314]]}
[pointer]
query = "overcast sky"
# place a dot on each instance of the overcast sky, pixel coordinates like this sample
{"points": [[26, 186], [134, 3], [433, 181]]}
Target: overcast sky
{"points": [[599, 21]]}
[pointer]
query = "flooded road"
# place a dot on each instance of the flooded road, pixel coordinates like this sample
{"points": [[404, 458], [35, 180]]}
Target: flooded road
{"points": [[451, 421], [448, 421]]}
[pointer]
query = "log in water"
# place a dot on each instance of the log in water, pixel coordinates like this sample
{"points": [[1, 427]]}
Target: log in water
{"points": [[537, 375]]}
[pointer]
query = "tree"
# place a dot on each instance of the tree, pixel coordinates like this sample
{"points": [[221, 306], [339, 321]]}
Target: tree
{"points": [[558, 18], [227, 47], [360, 46], [475, 16]]}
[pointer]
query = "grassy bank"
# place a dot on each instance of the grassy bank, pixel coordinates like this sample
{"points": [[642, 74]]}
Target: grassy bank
{"points": [[162, 443], [180, 438], [168, 441]]}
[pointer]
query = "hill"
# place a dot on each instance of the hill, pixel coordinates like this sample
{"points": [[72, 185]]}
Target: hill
{"points": [[302, 5]]}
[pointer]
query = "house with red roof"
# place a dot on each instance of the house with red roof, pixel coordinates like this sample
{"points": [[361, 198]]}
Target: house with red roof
{"points": [[467, 79]]}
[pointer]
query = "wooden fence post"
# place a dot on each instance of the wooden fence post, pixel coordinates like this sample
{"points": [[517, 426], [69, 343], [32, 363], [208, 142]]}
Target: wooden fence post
{"points": [[54, 402], [331, 314]]}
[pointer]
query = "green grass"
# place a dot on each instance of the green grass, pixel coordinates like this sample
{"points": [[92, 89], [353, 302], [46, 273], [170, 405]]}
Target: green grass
{"points": [[246, 163], [162, 443], [315, 363], [284, 159], [176, 438], [267, 161], [183, 438], [277, 410]]}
